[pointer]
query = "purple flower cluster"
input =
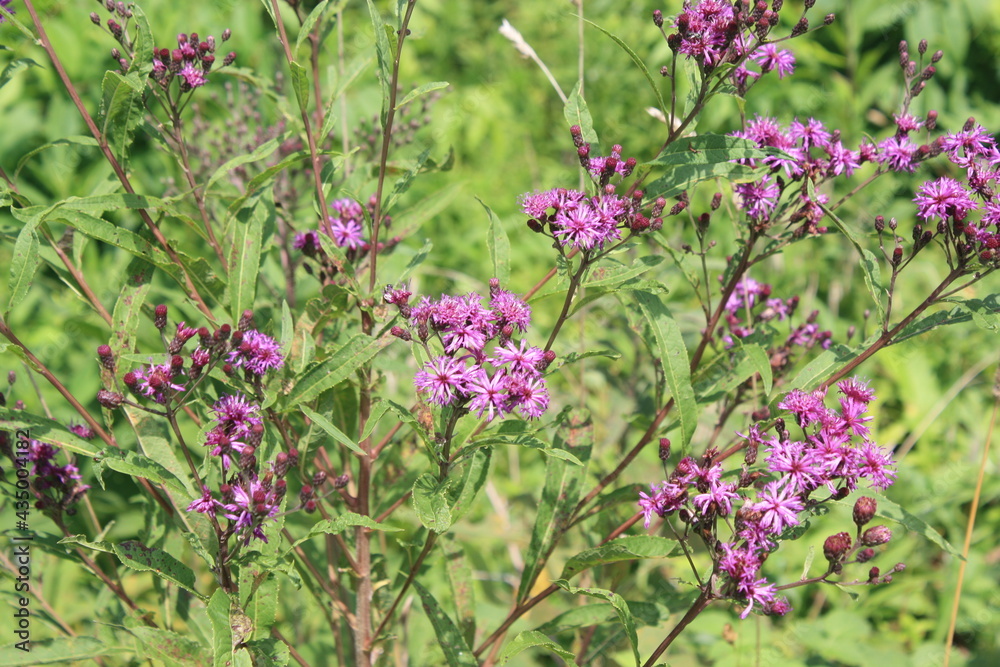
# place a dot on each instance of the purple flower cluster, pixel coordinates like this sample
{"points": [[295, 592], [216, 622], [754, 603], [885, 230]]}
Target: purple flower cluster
{"points": [[56, 487], [346, 229], [951, 202], [751, 304], [491, 384], [256, 353], [719, 32], [827, 457], [190, 62]]}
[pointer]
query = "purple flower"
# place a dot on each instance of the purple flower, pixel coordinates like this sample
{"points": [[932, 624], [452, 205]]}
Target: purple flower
{"points": [[856, 389], [236, 414], [662, 500], [962, 147], [796, 464], [307, 242], [489, 395], [206, 504], [779, 507], [897, 153], [254, 503], [444, 378], [581, 227], [907, 123], [6, 5], [943, 198], [346, 233], [257, 353], [156, 381], [770, 58], [193, 76], [524, 359], [528, 395], [759, 198], [81, 431], [842, 160], [718, 499], [508, 308], [876, 464], [348, 209]]}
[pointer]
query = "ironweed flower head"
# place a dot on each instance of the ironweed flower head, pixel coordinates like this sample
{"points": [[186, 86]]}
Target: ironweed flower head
{"points": [[257, 353], [6, 5], [189, 63], [835, 453], [492, 383]]}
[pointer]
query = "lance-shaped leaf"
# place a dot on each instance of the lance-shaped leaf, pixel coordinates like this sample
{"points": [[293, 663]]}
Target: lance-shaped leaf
{"points": [[320, 376], [664, 339], [456, 651], [44, 430], [498, 245], [531, 639], [244, 260], [138, 556], [620, 606], [23, 265], [690, 160], [563, 481], [632, 547], [122, 111], [460, 578], [576, 112]]}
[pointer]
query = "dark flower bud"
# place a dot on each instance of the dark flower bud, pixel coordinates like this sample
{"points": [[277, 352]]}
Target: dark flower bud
{"points": [[94, 18], [809, 4], [176, 364], [109, 399], [777, 5], [310, 506], [120, 8], [256, 435], [223, 332], [131, 379], [106, 357], [864, 510], [109, 5], [828, 19], [937, 55], [928, 72], [281, 464], [922, 47], [865, 555], [664, 449], [246, 321], [11, 378], [657, 18], [280, 489], [873, 574], [836, 547], [115, 29], [160, 316], [207, 62], [293, 457], [904, 49], [875, 536], [897, 256], [226, 34], [892, 224], [751, 456], [306, 493], [761, 415], [229, 59], [247, 459], [547, 359], [801, 27], [401, 333], [340, 481], [228, 369], [674, 42], [204, 337], [319, 478], [841, 493], [879, 224], [678, 208]]}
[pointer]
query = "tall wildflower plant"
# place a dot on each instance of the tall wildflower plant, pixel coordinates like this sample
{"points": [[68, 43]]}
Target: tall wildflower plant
{"points": [[284, 442]]}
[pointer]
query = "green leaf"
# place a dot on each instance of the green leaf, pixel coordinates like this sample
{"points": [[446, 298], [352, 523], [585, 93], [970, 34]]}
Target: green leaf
{"points": [[404, 182], [893, 512], [170, 647], [690, 160], [985, 313], [531, 639], [15, 66], [122, 111], [245, 257], [383, 52], [44, 430], [22, 266], [128, 307], [259, 590], [317, 14], [456, 651], [332, 430], [667, 344], [869, 264], [137, 465], [137, 556], [620, 606], [576, 112], [638, 62], [632, 547], [300, 84], [120, 237], [460, 578], [222, 631], [563, 482], [430, 502], [61, 650], [342, 523], [142, 50], [824, 365], [499, 246], [421, 90], [259, 153], [320, 376], [760, 363], [268, 652]]}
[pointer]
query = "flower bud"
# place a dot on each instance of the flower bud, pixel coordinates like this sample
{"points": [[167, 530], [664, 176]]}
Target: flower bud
{"points": [[109, 399], [879, 224], [658, 18], [229, 59], [319, 478], [866, 555], [873, 574], [310, 506], [875, 536], [94, 18], [226, 34], [864, 510], [664, 449], [246, 321], [828, 19], [107, 358], [836, 547], [160, 316], [341, 481], [401, 333]]}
